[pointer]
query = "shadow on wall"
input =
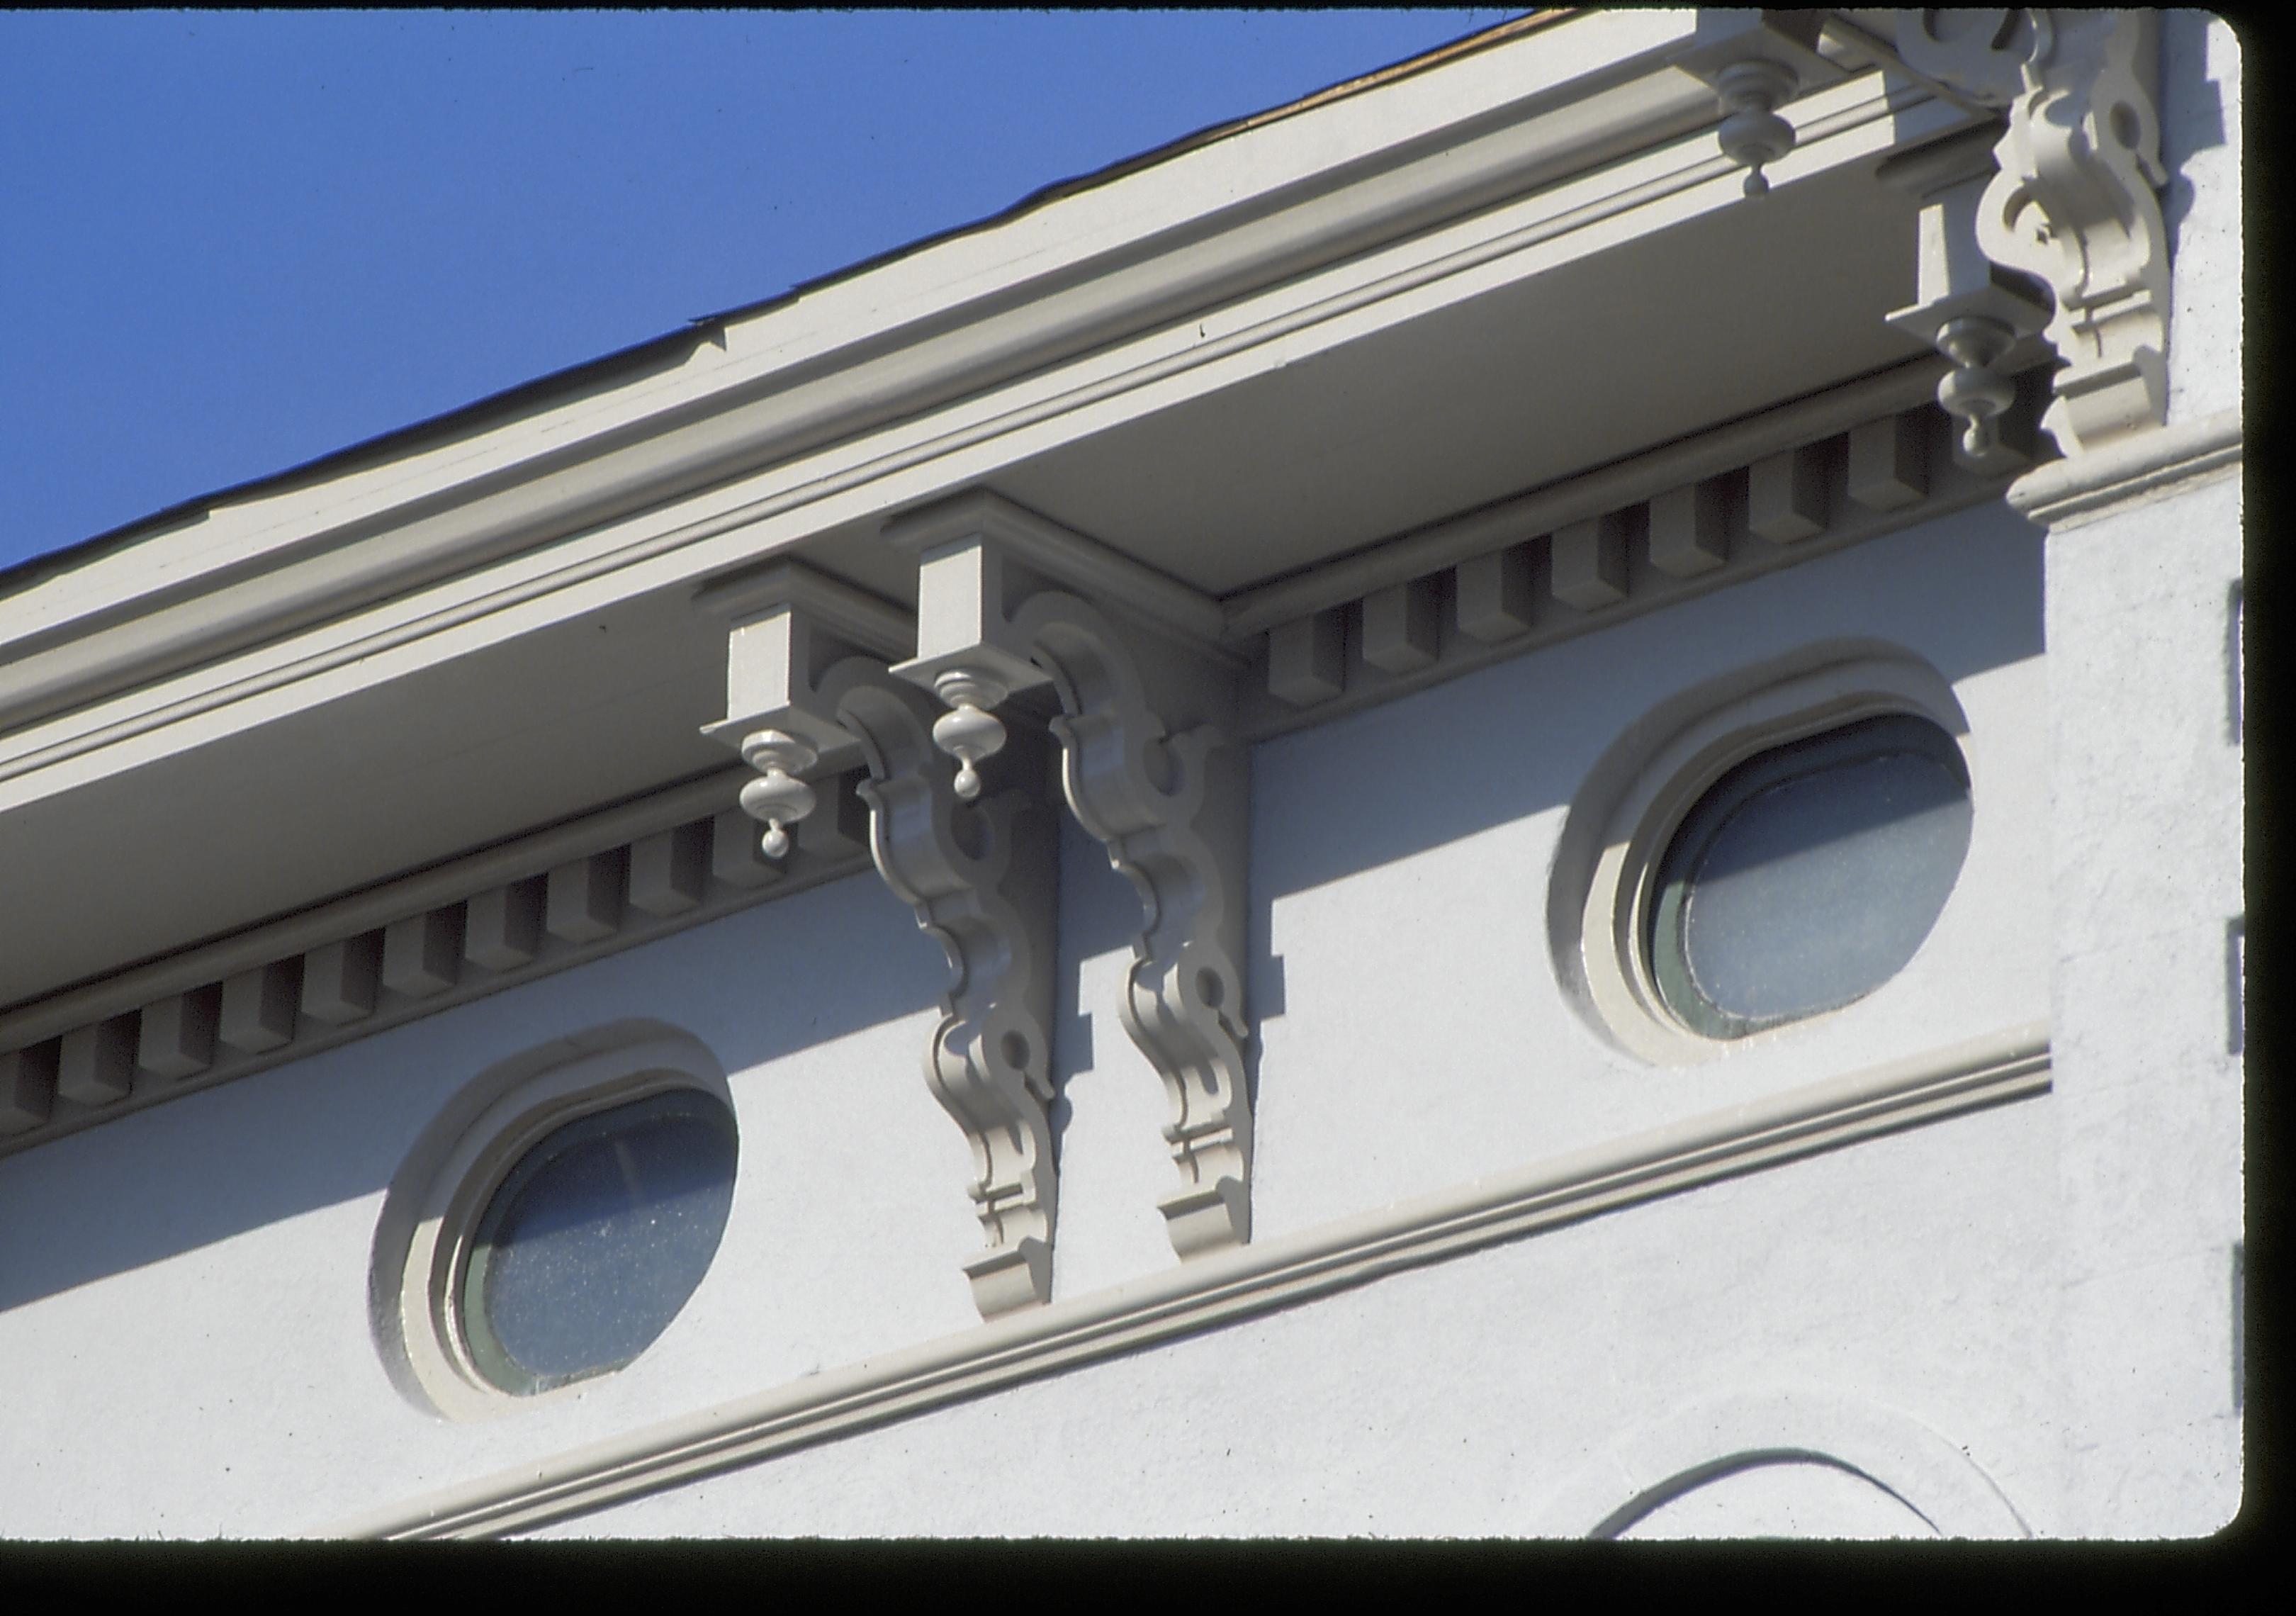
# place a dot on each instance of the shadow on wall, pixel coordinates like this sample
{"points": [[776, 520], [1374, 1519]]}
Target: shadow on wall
{"points": [[1510, 741], [1519, 738], [1801, 1463], [312, 1134]]}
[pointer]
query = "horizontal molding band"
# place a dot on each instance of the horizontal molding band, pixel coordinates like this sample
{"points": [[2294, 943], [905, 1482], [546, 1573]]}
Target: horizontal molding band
{"points": [[1234, 1283], [2088, 484], [1448, 627]]}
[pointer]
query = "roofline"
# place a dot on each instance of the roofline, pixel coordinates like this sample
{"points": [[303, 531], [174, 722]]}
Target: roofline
{"points": [[672, 347]]}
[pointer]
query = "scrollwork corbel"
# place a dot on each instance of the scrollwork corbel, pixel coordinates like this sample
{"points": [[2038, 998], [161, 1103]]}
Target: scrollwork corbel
{"points": [[1149, 769], [2073, 203], [809, 682]]}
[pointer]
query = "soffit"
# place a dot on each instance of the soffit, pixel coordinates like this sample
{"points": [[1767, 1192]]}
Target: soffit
{"points": [[1526, 384]]}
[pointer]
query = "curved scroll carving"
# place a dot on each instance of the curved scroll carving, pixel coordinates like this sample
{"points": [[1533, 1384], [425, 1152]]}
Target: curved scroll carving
{"points": [[1170, 810], [981, 878], [2073, 204], [1149, 770], [1975, 51]]}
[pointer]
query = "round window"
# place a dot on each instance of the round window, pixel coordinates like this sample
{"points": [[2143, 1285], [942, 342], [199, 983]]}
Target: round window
{"points": [[1808, 875], [595, 1240]]}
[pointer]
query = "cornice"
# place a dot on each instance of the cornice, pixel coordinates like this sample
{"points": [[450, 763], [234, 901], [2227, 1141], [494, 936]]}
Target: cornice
{"points": [[1787, 486], [852, 355], [1237, 1283], [742, 521], [2067, 493]]}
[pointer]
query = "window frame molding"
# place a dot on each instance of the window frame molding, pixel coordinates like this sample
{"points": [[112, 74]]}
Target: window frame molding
{"points": [[1602, 899], [436, 1205]]}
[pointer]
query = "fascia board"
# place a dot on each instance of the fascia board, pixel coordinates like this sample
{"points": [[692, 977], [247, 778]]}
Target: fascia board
{"points": [[1080, 270], [685, 543]]}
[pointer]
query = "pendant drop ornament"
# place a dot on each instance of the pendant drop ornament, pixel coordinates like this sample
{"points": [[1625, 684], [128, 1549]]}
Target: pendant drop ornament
{"points": [[969, 732], [777, 796]]}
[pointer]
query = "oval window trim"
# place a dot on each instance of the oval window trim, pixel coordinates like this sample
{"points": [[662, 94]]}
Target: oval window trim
{"points": [[499, 1362], [1626, 813], [451, 1175], [1666, 942]]}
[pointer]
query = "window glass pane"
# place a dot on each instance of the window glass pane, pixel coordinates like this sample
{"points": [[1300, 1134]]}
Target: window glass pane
{"points": [[1811, 875], [596, 1239]]}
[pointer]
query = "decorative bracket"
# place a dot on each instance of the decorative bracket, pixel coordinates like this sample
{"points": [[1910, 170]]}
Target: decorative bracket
{"points": [[1969, 309], [1151, 770], [806, 684], [2073, 204], [1756, 62]]}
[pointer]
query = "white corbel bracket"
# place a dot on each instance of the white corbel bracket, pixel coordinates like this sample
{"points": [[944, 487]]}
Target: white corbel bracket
{"points": [[2073, 204], [1972, 310], [1151, 770], [807, 681], [1756, 62]]}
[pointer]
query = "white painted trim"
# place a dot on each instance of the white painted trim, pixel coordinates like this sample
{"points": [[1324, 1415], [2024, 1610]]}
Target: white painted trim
{"points": [[1230, 1284], [1171, 607], [1471, 624], [1077, 273], [497, 580], [1084, 564], [2066, 493], [1617, 835], [431, 1212]]}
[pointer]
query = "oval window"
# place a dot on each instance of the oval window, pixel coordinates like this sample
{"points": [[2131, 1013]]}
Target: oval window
{"points": [[1808, 875], [595, 1239]]}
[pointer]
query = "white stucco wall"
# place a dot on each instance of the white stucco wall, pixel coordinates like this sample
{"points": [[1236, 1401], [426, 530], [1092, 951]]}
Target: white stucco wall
{"points": [[2200, 148], [2145, 811], [1911, 1277], [1412, 1035]]}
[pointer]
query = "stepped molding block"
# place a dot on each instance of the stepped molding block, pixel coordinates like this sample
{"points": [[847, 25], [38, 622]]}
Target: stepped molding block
{"points": [[1970, 309], [2073, 204], [1151, 767], [807, 681]]}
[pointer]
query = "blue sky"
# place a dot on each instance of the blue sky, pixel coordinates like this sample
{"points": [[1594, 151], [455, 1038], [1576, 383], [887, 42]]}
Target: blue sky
{"points": [[231, 243]]}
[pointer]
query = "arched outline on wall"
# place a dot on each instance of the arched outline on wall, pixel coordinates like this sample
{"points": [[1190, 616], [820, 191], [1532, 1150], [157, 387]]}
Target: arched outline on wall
{"points": [[1656, 1463], [1626, 812], [435, 1201]]}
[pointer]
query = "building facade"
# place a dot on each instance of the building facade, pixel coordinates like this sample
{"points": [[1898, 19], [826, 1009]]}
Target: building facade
{"points": [[1505, 804]]}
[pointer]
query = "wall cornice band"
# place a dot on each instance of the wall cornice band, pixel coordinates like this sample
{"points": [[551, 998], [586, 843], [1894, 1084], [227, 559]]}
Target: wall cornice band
{"points": [[1236, 1282], [2066, 493]]}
